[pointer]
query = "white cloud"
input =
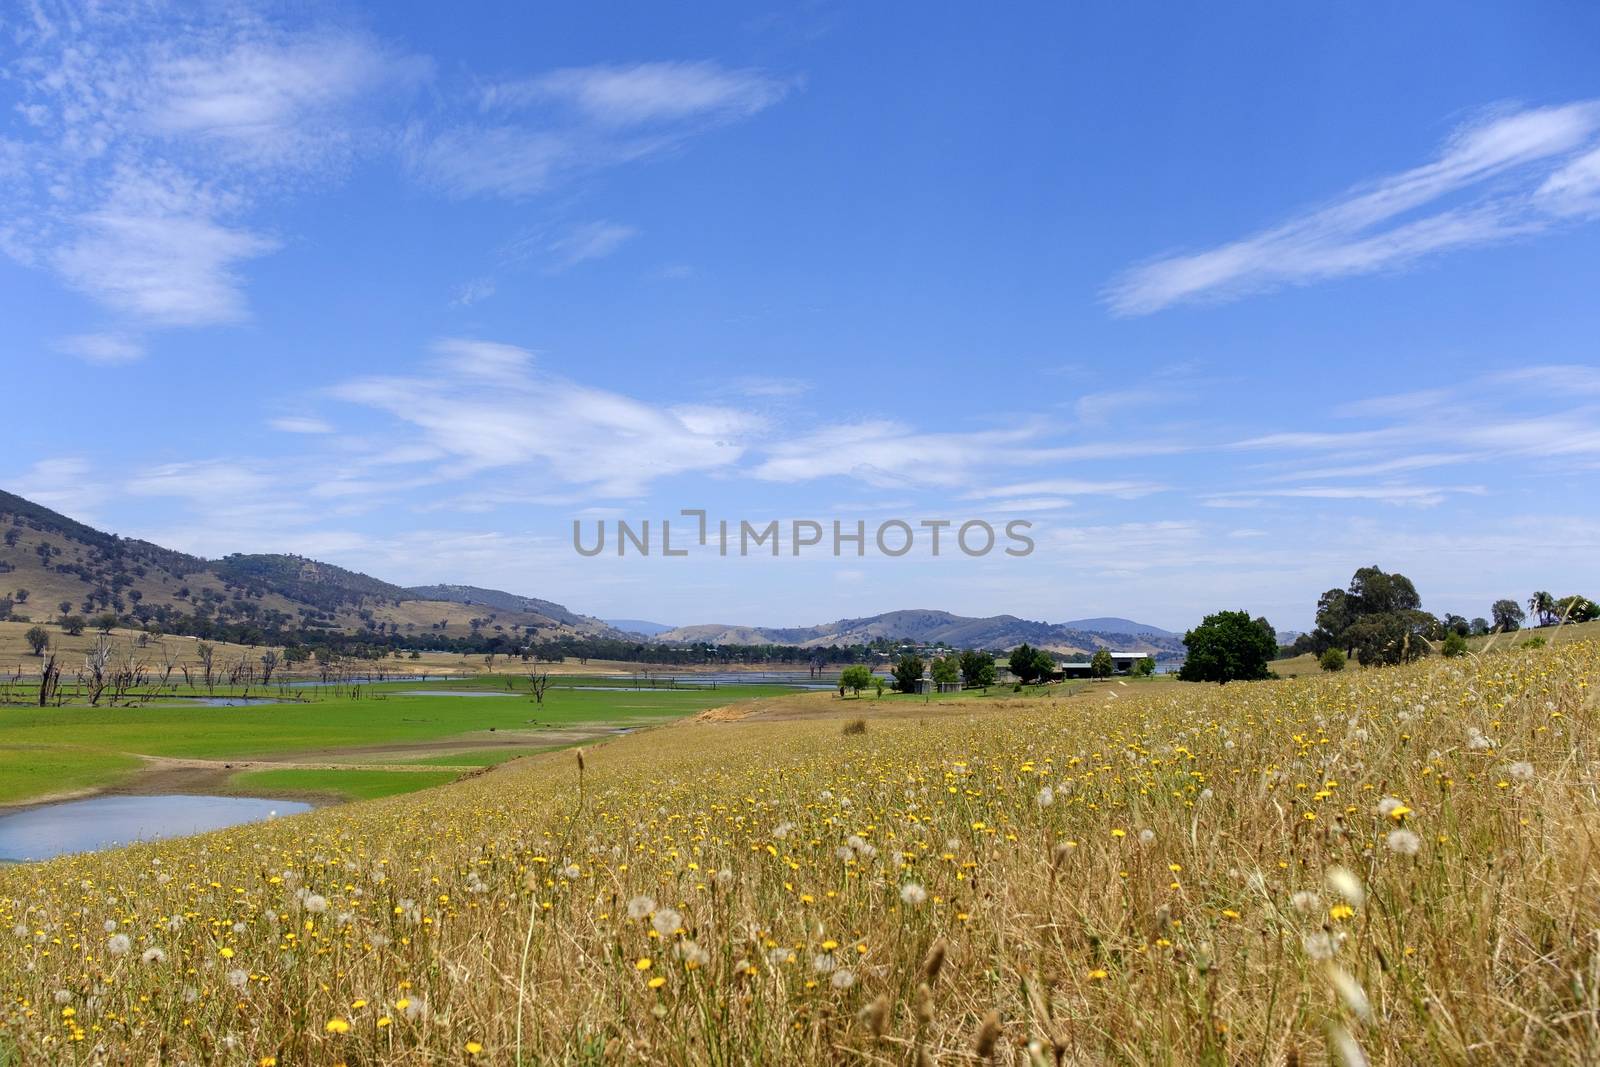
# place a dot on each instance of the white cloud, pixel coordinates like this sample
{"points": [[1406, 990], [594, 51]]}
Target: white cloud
{"points": [[106, 349], [486, 406], [470, 292], [300, 424], [159, 255], [644, 92], [884, 453], [1530, 168], [1069, 487], [218, 482], [1421, 496], [592, 240], [64, 483], [270, 100]]}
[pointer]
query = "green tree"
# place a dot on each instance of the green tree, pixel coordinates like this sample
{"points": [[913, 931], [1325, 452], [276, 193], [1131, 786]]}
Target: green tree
{"points": [[1375, 619], [947, 670], [1576, 609], [1454, 645], [978, 669], [105, 623], [907, 672], [73, 624], [1024, 663], [1332, 659], [38, 639], [1101, 664], [1507, 615], [1390, 637], [855, 678], [1229, 646], [1144, 667]]}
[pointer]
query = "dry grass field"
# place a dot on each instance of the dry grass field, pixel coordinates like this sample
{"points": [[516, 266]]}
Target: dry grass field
{"points": [[1394, 866]]}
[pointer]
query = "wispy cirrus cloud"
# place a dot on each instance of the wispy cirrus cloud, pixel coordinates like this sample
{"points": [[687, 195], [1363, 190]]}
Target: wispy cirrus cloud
{"points": [[300, 424], [1420, 496], [533, 132], [644, 93], [104, 349], [589, 241], [1510, 174], [886, 453]]}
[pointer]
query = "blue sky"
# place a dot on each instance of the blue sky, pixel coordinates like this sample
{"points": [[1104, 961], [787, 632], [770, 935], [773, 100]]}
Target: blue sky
{"points": [[1226, 302]]}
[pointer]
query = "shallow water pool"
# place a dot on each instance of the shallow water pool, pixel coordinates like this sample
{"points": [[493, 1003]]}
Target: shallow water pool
{"points": [[105, 822]]}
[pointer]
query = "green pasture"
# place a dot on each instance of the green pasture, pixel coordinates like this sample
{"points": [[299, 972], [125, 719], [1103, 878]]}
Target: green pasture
{"points": [[52, 749]]}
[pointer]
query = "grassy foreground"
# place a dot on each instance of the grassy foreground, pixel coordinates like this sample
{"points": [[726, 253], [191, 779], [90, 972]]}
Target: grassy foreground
{"points": [[1397, 865]]}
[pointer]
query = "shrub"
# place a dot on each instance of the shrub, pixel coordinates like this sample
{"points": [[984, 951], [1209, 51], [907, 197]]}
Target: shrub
{"points": [[38, 639], [1454, 645], [1332, 659], [855, 726]]}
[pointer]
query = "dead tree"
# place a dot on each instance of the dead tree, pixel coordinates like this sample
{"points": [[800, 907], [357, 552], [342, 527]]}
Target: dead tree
{"points": [[169, 663], [96, 669], [127, 675], [538, 683], [49, 679], [208, 655], [269, 663]]}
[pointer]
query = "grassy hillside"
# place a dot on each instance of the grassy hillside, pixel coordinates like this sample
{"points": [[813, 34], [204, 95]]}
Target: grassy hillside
{"points": [[1389, 866], [48, 559]]}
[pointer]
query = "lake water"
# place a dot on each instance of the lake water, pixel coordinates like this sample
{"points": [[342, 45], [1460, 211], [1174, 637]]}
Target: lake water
{"points": [[103, 822], [220, 702]]}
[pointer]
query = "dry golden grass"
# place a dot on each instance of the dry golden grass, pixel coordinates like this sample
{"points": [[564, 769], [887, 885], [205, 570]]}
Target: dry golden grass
{"points": [[15, 653], [1397, 865]]}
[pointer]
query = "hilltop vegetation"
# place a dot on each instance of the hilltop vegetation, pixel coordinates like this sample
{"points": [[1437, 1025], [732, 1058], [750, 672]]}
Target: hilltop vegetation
{"points": [[1391, 864], [53, 567]]}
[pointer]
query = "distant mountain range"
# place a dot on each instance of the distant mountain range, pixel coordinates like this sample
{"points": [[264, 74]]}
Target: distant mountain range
{"points": [[639, 626], [1111, 624], [48, 560], [931, 627]]}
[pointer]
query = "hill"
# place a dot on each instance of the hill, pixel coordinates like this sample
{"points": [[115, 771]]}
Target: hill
{"points": [[639, 626], [52, 565], [470, 595], [1113, 624], [931, 627]]}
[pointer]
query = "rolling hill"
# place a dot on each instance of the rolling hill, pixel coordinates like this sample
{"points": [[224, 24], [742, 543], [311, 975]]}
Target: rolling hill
{"points": [[1113, 624], [52, 565], [639, 626], [929, 627]]}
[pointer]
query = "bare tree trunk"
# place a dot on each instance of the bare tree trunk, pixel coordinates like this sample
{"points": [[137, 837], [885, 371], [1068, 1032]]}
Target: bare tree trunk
{"points": [[49, 678]]}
